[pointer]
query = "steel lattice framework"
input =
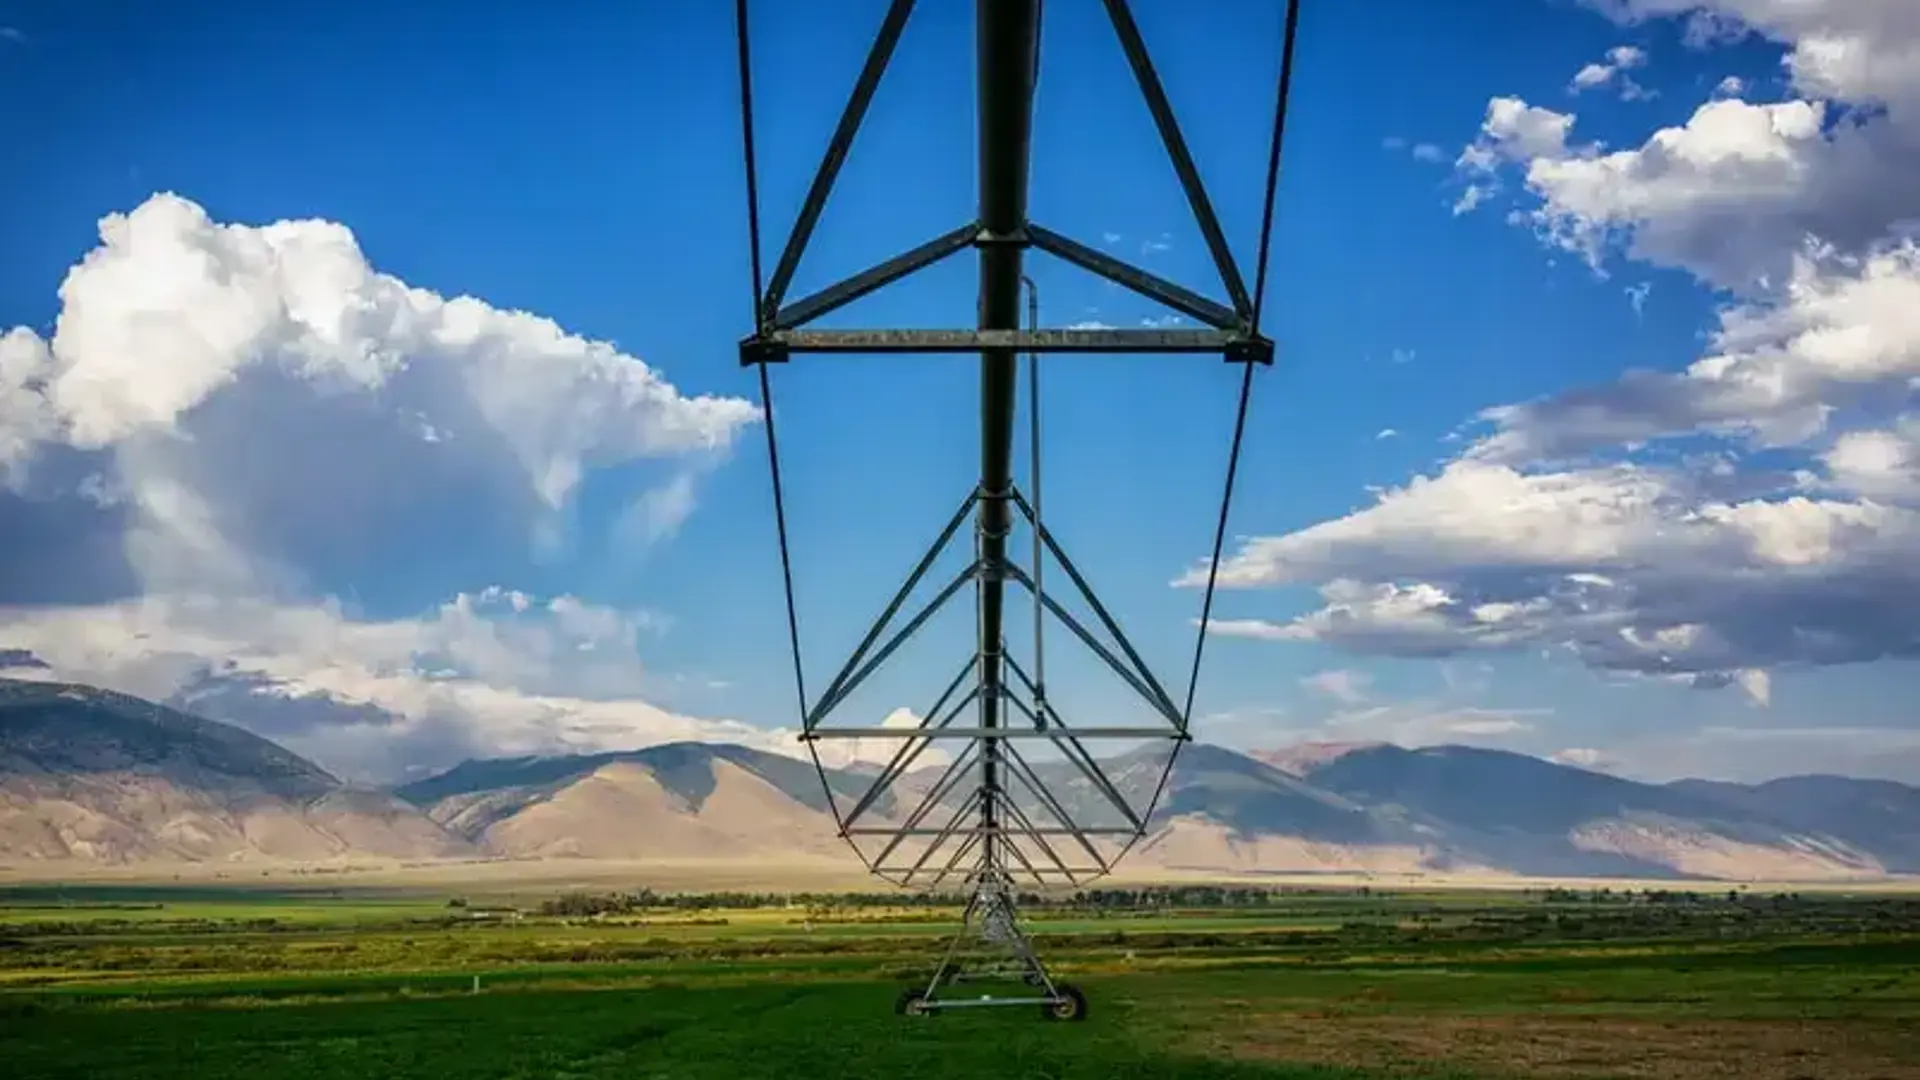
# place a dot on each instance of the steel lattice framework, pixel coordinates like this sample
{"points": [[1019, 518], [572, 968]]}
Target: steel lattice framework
{"points": [[1010, 822]]}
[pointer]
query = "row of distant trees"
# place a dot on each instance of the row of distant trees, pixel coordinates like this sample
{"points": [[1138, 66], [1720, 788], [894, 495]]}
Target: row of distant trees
{"points": [[1606, 895], [1104, 899], [579, 904], [1159, 896]]}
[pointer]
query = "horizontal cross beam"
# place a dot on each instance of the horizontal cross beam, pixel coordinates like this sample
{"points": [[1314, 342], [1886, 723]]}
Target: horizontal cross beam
{"points": [[904, 874], [1235, 346], [995, 733], [982, 830]]}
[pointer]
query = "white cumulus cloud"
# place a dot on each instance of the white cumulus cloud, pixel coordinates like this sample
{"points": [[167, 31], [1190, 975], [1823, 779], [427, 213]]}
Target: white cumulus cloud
{"points": [[262, 419], [1733, 193], [1758, 509], [1613, 71]]}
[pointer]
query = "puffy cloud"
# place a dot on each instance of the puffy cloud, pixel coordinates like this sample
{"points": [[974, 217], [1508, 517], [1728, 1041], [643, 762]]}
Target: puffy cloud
{"points": [[1734, 192], [1588, 522], [1858, 50], [1592, 75], [1627, 567], [1757, 509], [266, 422], [27, 418], [496, 671], [840, 753], [1514, 129], [174, 308], [1620, 59], [257, 393], [1881, 464], [1845, 331], [1511, 131]]}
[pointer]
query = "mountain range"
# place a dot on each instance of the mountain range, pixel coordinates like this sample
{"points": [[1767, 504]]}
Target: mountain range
{"points": [[91, 775]]}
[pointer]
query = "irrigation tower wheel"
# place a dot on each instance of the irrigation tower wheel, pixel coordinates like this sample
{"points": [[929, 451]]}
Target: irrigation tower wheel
{"points": [[1071, 1004], [912, 1003]]}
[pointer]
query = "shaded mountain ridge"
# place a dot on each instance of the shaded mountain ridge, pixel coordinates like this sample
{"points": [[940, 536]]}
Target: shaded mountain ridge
{"points": [[101, 776], [1375, 807], [1545, 818], [93, 775]]}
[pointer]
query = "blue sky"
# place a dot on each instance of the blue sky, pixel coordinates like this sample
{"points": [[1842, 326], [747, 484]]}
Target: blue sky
{"points": [[585, 168]]}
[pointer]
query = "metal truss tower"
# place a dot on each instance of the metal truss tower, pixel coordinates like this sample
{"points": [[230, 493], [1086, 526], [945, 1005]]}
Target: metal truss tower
{"points": [[1000, 818]]}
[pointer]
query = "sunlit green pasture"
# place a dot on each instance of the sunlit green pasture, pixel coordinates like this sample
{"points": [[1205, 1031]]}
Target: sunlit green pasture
{"points": [[205, 983]]}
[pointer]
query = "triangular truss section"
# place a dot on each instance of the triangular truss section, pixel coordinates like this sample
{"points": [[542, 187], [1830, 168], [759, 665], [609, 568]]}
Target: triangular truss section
{"points": [[924, 838], [781, 324]]}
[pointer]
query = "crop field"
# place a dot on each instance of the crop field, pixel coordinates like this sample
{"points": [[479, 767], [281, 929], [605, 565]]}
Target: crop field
{"points": [[211, 982]]}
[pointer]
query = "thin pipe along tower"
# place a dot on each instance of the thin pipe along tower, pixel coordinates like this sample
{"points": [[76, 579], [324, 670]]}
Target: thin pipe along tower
{"points": [[993, 832]]}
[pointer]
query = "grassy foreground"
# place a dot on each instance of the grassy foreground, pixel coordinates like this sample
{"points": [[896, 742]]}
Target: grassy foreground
{"points": [[216, 983]]}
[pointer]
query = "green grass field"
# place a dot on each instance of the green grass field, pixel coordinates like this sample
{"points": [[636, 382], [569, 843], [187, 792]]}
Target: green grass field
{"points": [[104, 982]]}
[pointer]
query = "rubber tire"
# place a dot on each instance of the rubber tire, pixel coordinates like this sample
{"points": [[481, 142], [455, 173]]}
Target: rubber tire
{"points": [[947, 974], [1073, 1008], [909, 1003]]}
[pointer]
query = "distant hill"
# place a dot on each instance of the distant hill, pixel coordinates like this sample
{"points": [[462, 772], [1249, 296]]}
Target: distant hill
{"points": [[1544, 818], [1302, 758], [1226, 810], [1373, 807], [1873, 815], [91, 774], [679, 800], [94, 775]]}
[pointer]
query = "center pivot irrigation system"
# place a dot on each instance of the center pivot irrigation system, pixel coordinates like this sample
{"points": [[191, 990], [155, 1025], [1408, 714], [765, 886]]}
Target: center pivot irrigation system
{"points": [[992, 818]]}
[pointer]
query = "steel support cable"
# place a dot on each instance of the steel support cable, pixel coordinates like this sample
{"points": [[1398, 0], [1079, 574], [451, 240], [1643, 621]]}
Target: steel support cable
{"points": [[1281, 93], [766, 387], [1246, 380], [1033, 466], [1033, 430], [742, 41]]}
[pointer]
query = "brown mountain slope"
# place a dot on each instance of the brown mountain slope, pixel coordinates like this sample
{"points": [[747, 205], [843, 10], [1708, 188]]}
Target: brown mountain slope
{"points": [[1363, 809], [1880, 816], [622, 810], [1301, 759], [1539, 817], [1194, 842], [91, 775], [87, 774]]}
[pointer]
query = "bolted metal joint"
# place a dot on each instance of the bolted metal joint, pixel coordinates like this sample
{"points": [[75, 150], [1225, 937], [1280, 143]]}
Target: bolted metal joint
{"points": [[1254, 350], [760, 350], [1012, 238]]}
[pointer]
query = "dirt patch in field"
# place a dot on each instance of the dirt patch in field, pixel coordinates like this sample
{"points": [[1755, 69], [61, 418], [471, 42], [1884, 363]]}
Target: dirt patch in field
{"points": [[1565, 1047]]}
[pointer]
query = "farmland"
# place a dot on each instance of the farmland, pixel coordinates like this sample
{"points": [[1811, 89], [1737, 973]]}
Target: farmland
{"points": [[215, 981]]}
